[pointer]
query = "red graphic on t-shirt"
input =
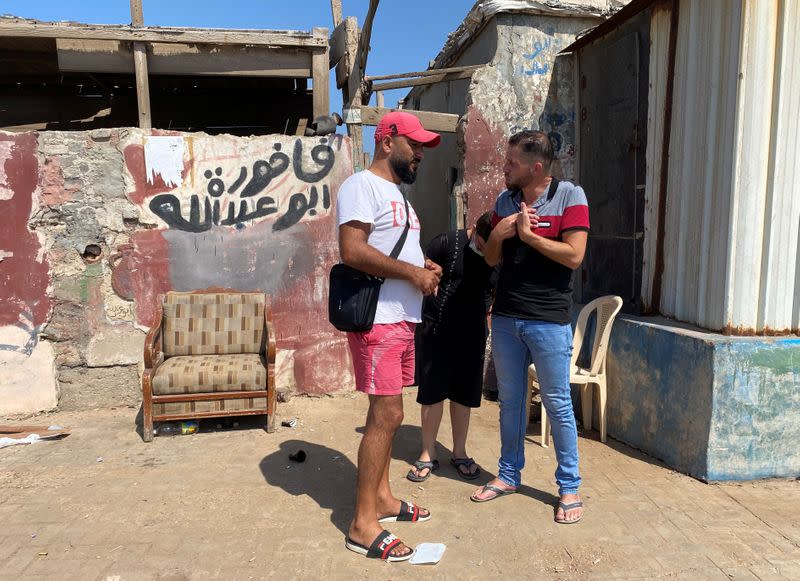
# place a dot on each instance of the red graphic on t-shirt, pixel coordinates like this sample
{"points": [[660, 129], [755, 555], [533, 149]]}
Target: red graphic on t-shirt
{"points": [[399, 216]]}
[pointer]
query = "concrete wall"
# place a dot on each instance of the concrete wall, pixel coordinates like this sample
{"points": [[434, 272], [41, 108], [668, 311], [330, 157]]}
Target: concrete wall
{"points": [[525, 85], [713, 406], [98, 223], [27, 370], [756, 419], [529, 87], [437, 195]]}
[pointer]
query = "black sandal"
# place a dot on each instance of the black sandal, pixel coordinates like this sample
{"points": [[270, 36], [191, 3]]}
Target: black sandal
{"points": [[466, 463], [420, 465], [381, 548]]}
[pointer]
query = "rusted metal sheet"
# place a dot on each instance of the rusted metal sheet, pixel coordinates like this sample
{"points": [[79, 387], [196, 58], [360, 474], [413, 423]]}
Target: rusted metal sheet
{"points": [[613, 124]]}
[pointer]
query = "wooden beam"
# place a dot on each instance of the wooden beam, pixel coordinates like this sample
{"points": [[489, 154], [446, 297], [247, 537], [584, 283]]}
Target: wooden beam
{"points": [[428, 73], [142, 85], [140, 69], [364, 38], [320, 74], [348, 79], [433, 121], [354, 93], [113, 56], [336, 10], [429, 80], [349, 46], [281, 38], [137, 15], [337, 45]]}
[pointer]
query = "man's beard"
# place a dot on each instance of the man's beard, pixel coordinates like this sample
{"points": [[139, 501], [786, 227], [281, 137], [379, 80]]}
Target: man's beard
{"points": [[403, 170]]}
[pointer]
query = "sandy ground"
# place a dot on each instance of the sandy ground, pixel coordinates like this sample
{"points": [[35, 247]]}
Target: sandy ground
{"points": [[102, 504]]}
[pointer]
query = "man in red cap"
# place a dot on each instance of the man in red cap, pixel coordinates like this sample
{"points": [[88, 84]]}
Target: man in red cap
{"points": [[372, 215]]}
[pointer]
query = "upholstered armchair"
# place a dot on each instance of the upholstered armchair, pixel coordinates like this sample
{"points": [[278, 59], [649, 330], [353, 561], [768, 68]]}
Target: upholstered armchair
{"points": [[209, 354]]}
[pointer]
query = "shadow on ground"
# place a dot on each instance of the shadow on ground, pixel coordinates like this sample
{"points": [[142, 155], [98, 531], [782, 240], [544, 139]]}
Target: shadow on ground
{"points": [[406, 449], [326, 475]]}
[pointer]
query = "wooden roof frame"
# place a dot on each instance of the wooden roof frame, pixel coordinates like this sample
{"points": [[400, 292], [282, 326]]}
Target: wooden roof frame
{"points": [[23, 28], [314, 44]]}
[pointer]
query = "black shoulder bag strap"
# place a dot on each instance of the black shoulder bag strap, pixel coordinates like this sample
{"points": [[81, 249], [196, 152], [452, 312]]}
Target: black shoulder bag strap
{"points": [[553, 187], [402, 240]]}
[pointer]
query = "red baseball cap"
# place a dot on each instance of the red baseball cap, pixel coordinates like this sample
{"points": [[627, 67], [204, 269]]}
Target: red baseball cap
{"points": [[402, 123]]}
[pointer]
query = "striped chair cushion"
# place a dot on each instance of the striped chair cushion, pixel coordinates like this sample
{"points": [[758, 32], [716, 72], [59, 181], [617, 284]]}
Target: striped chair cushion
{"points": [[210, 373], [219, 405], [213, 323]]}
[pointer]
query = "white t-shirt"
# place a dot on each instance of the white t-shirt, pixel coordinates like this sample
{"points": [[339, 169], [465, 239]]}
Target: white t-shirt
{"points": [[373, 200]]}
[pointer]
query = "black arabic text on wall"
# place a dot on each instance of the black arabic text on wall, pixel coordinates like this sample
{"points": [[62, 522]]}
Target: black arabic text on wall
{"points": [[206, 210]]}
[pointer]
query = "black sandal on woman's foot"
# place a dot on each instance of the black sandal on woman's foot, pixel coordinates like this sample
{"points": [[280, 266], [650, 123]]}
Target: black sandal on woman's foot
{"points": [[464, 467], [421, 465]]}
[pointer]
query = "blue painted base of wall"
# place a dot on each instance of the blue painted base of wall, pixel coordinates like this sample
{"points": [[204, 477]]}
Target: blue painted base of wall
{"points": [[709, 405]]}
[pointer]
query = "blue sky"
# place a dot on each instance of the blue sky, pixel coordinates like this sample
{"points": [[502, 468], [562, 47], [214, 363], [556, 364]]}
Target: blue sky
{"points": [[405, 36]]}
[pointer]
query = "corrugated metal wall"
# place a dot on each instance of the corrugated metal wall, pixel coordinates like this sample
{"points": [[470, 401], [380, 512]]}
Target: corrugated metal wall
{"points": [[779, 301], [731, 257], [656, 105]]}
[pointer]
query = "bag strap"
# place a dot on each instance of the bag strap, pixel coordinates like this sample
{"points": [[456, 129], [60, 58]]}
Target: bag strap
{"points": [[402, 240], [553, 187]]}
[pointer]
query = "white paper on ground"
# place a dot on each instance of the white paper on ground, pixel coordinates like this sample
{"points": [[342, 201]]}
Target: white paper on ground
{"points": [[29, 439], [428, 553]]}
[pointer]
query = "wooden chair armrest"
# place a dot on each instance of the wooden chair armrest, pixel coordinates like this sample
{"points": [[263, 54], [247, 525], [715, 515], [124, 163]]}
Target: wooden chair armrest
{"points": [[153, 355], [271, 346]]}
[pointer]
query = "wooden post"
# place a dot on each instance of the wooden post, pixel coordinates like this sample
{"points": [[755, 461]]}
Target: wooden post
{"points": [[320, 73], [350, 84], [353, 98], [336, 10], [379, 98], [140, 68]]}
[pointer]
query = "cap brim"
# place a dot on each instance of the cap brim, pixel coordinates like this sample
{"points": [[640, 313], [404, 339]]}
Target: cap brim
{"points": [[425, 137]]}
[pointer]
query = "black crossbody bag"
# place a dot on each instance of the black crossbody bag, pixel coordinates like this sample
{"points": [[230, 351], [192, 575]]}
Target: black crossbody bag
{"points": [[353, 294]]}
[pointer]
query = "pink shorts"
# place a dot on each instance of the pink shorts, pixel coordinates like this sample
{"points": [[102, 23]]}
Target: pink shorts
{"points": [[383, 358]]}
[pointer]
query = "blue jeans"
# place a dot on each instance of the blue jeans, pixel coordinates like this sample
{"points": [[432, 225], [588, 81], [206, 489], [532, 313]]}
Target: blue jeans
{"points": [[515, 344]]}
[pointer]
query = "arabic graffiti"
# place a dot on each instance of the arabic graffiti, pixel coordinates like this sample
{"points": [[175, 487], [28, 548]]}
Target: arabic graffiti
{"points": [[540, 55], [240, 203]]}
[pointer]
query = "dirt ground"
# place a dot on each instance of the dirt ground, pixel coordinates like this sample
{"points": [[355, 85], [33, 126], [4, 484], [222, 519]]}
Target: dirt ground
{"points": [[228, 504]]}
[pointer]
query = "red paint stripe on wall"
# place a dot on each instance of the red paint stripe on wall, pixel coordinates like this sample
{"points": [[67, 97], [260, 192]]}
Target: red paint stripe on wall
{"points": [[23, 278]]}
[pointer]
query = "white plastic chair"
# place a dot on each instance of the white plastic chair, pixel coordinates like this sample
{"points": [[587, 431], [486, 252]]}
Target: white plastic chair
{"points": [[607, 308]]}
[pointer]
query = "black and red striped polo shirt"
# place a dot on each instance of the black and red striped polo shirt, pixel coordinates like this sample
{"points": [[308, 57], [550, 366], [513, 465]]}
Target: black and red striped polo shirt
{"points": [[531, 285]]}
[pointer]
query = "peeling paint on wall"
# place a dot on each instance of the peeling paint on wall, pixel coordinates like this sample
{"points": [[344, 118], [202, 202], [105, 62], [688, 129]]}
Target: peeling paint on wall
{"points": [[92, 243], [715, 407], [756, 419], [250, 214], [27, 381]]}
